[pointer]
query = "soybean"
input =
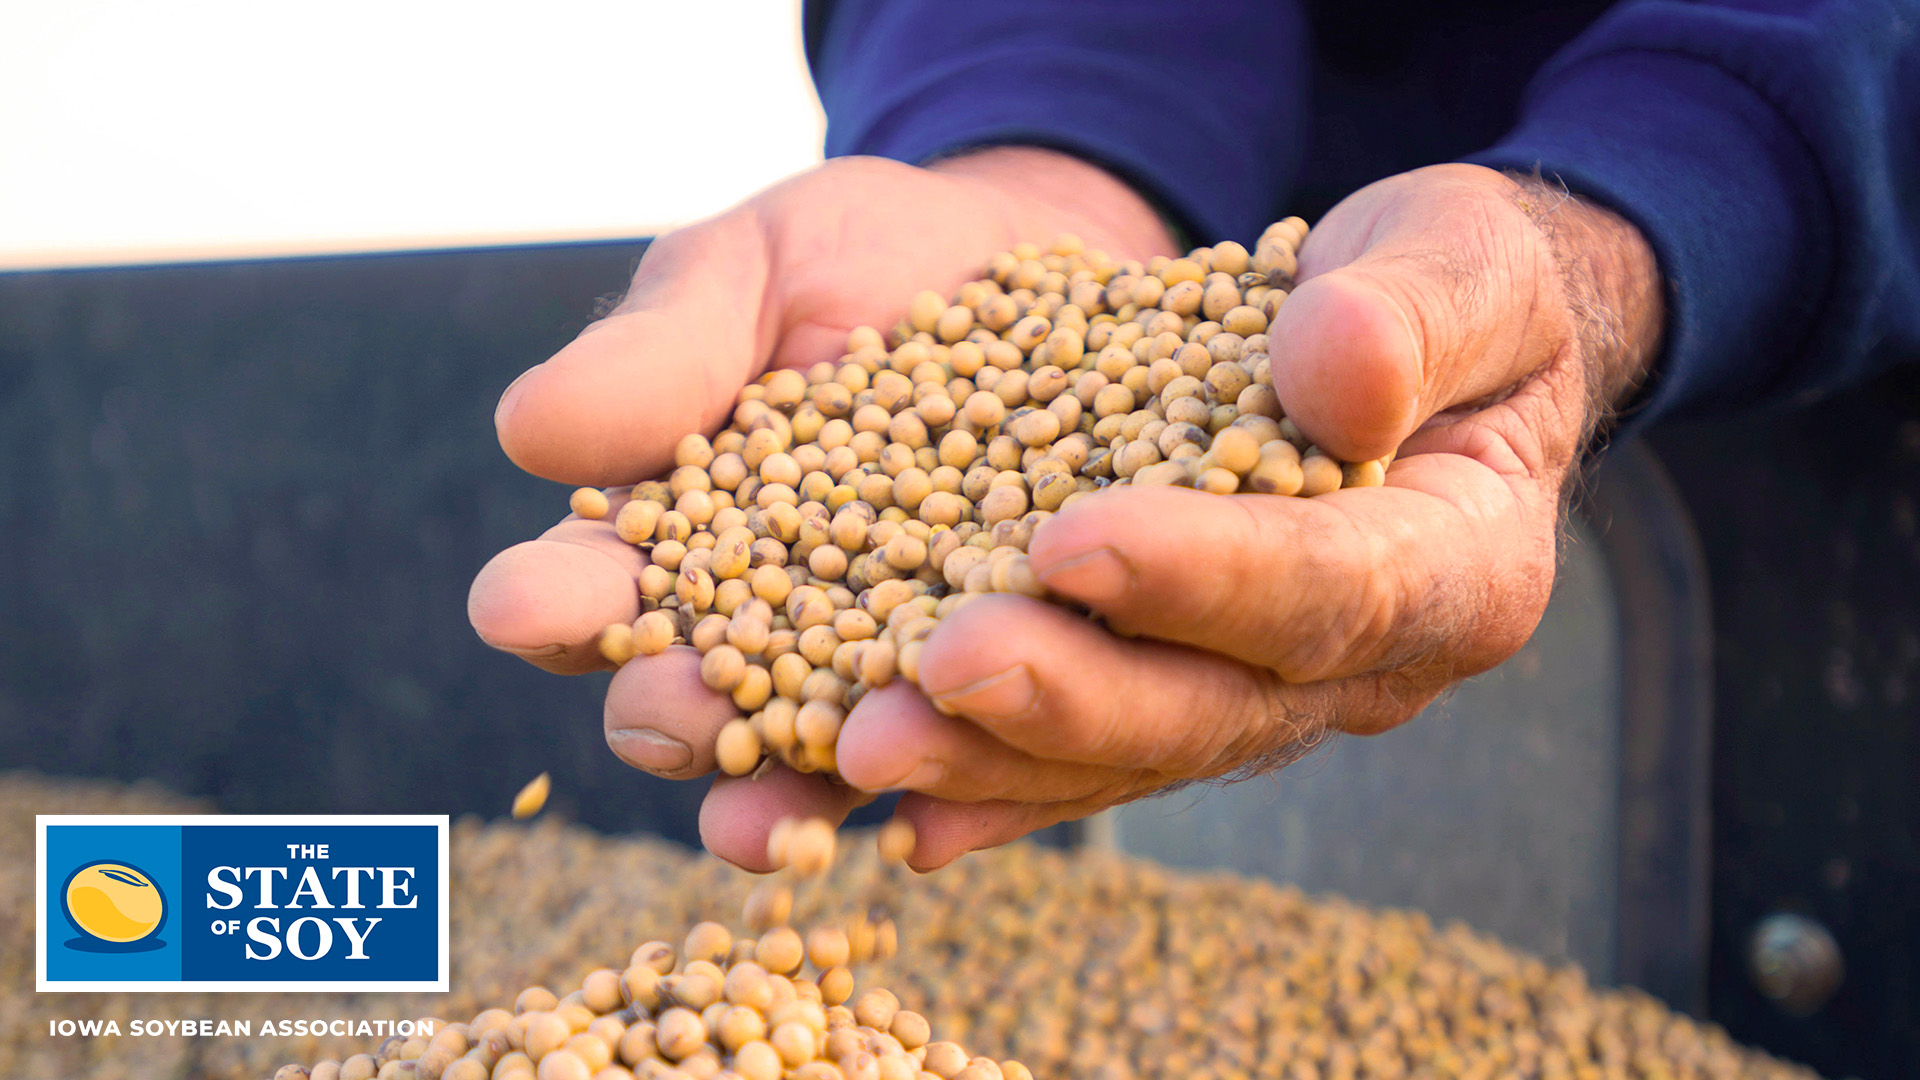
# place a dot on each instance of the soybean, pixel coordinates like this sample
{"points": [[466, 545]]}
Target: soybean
{"points": [[532, 797]]}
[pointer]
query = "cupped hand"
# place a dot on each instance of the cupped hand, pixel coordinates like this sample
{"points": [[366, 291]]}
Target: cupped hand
{"points": [[776, 282], [1477, 326]]}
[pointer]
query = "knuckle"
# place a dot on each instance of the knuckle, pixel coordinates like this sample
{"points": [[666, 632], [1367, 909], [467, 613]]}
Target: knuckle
{"points": [[1226, 606], [1112, 733], [1283, 723], [1125, 786], [1513, 609], [1383, 702], [1242, 723], [1357, 603], [1114, 730]]}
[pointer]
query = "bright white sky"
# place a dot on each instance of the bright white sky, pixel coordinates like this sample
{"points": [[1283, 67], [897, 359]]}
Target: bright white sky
{"points": [[132, 131]]}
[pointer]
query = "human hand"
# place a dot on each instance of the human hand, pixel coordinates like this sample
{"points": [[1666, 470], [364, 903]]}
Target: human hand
{"points": [[1479, 326], [776, 282]]}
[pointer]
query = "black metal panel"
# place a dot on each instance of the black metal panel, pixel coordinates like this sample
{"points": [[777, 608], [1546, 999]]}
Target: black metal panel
{"points": [[1810, 522], [1660, 587], [240, 506]]}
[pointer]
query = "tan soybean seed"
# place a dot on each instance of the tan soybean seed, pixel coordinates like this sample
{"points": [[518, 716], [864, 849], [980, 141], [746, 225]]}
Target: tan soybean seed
{"points": [[738, 748], [589, 503], [616, 643], [1320, 474], [532, 797], [808, 850], [896, 840]]}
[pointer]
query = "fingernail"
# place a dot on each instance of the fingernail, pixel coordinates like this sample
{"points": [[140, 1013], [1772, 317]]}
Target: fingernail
{"points": [[544, 652], [1097, 576], [1006, 696], [511, 396], [924, 775], [654, 751]]}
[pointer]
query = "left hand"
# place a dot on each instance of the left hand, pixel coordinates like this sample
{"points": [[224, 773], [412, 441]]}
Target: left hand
{"points": [[777, 281], [1479, 326]]}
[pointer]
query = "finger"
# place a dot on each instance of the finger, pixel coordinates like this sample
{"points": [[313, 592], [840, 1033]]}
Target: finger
{"points": [[943, 831], [1446, 564], [1417, 294], [609, 407], [547, 600], [660, 716], [1053, 684], [777, 282], [739, 811], [894, 740]]}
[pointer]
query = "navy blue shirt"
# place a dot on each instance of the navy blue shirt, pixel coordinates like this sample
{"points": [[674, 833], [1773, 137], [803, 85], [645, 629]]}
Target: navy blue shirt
{"points": [[1770, 152]]}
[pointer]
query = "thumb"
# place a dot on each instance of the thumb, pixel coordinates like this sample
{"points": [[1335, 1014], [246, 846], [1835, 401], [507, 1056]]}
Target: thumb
{"points": [[610, 406], [1419, 293]]}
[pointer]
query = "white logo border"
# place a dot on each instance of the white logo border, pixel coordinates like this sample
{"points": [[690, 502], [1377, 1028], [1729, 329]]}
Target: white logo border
{"points": [[42, 917]]}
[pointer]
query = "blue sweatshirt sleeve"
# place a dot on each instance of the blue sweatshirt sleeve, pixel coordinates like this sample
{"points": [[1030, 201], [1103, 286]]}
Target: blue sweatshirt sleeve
{"points": [[1197, 105], [1768, 149], [1770, 152]]}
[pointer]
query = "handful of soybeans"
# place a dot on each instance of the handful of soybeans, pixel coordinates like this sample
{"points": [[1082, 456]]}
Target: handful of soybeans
{"points": [[807, 550]]}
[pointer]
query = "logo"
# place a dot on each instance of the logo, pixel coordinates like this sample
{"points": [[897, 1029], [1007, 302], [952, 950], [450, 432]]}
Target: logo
{"points": [[116, 905], [242, 903]]}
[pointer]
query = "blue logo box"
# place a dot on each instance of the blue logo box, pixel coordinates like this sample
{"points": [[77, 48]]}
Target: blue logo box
{"points": [[242, 903]]}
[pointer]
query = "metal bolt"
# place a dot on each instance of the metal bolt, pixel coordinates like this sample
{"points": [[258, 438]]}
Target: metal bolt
{"points": [[1794, 962]]}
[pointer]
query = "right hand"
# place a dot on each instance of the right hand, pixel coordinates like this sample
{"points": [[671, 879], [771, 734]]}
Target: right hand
{"points": [[778, 281]]}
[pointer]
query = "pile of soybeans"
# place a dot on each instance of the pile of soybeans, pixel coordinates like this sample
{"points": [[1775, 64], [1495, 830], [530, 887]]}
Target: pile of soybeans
{"points": [[809, 548], [1076, 965]]}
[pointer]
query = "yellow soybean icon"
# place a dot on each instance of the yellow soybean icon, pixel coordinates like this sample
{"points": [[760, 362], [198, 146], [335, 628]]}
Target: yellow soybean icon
{"points": [[114, 902]]}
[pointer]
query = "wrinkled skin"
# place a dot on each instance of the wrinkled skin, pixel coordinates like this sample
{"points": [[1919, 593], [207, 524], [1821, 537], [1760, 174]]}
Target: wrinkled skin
{"points": [[1475, 324]]}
